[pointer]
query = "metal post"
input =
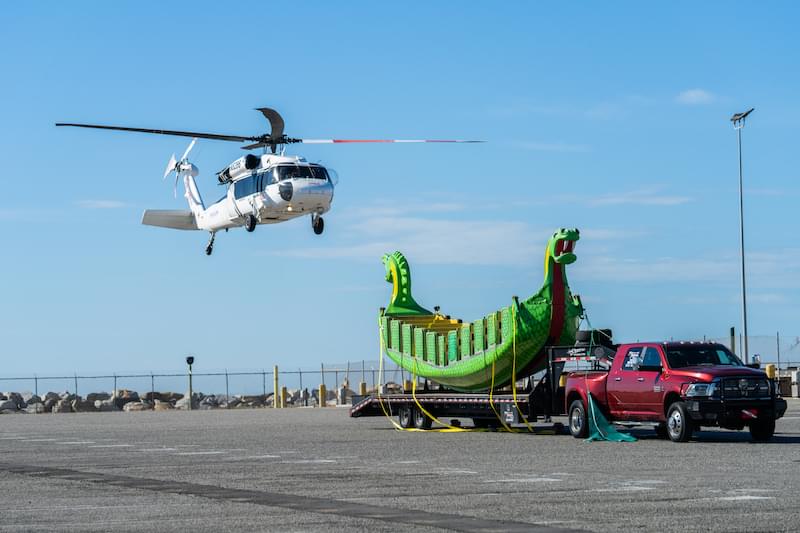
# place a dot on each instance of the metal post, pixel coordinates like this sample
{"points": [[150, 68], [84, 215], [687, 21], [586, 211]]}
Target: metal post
{"points": [[300, 371], [227, 390], [322, 372], [35, 385], [336, 379], [76, 384], [733, 340], [275, 387], [778, 346], [152, 387], [264, 383], [738, 123], [115, 386], [191, 393]]}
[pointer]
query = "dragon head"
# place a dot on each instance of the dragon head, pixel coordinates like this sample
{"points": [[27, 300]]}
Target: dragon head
{"points": [[387, 265], [561, 245]]}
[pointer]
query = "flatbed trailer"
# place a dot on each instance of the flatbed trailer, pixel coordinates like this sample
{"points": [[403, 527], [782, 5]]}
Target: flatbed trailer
{"points": [[536, 400]]}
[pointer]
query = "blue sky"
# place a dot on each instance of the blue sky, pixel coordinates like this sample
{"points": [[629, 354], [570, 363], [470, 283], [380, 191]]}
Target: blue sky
{"points": [[612, 118]]}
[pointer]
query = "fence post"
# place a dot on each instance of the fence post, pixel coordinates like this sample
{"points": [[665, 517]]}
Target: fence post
{"points": [[76, 384], [227, 390], [300, 371], [152, 387], [733, 340], [114, 394], [264, 383], [275, 387], [36, 385]]}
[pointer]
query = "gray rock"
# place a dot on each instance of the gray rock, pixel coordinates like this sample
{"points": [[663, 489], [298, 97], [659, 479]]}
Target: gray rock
{"points": [[8, 405], [124, 396], [67, 396], [137, 406], [162, 406], [17, 399], [94, 396], [3, 397], [105, 405], [35, 408], [83, 406], [29, 398], [63, 406], [52, 396]]}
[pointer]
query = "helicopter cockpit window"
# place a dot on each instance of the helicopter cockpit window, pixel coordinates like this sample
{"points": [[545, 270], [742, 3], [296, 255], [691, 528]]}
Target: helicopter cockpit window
{"points": [[299, 172]]}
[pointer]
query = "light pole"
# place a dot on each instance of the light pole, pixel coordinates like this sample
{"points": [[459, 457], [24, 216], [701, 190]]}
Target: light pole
{"points": [[738, 123], [190, 362]]}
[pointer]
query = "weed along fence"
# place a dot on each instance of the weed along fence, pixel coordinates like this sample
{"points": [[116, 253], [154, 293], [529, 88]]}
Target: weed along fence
{"points": [[336, 383]]}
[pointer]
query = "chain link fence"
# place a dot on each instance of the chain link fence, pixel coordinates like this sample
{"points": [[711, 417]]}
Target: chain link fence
{"points": [[783, 351]]}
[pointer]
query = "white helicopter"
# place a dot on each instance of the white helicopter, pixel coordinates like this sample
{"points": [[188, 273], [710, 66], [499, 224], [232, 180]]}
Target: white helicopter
{"points": [[265, 189]]}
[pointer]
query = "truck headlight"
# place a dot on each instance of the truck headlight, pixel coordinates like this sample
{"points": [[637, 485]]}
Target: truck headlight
{"points": [[700, 389]]}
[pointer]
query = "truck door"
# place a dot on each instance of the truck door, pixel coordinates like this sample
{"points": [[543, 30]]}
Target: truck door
{"points": [[623, 387], [648, 385]]}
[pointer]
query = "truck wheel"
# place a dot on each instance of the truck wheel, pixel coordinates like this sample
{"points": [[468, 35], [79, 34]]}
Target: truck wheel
{"points": [[762, 430], [679, 424], [578, 422], [421, 420], [404, 416]]}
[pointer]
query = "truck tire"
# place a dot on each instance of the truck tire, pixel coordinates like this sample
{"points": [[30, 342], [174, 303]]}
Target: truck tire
{"points": [[405, 416], [421, 420], [762, 430], [578, 421], [679, 425]]}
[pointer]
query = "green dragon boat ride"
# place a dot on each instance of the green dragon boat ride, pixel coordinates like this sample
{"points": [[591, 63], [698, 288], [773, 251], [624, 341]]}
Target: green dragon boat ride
{"points": [[471, 356]]}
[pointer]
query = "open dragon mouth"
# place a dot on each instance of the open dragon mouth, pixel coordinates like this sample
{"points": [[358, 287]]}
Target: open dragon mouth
{"points": [[564, 246]]}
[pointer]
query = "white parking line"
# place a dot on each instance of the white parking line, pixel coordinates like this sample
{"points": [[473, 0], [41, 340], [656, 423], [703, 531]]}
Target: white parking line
{"points": [[200, 453], [112, 446]]}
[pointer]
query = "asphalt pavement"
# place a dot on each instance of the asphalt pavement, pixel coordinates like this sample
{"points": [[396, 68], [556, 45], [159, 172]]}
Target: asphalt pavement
{"points": [[315, 469]]}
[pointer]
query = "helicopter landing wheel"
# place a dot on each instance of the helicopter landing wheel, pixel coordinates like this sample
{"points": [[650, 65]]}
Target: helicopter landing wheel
{"points": [[210, 246], [250, 223], [318, 224]]}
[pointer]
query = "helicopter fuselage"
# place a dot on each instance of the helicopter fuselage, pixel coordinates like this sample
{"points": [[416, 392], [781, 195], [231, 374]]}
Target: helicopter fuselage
{"points": [[280, 188]]}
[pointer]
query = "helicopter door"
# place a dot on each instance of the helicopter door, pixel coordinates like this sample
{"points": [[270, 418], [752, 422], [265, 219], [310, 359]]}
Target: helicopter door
{"points": [[242, 194]]}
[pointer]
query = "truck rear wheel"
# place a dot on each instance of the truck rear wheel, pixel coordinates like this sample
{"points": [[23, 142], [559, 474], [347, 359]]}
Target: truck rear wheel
{"points": [[578, 421], [679, 425], [404, 416], [421, 420], [762, 429]]}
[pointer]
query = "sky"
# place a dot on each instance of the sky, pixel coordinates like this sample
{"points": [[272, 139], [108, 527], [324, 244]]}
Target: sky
{"points": [[612, 118]]}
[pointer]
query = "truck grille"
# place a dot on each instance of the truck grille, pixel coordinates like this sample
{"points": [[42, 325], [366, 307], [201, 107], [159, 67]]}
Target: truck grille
{"points": [[749, 387]]}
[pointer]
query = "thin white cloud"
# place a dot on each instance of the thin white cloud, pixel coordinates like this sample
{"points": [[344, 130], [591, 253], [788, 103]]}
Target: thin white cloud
{"points": [[101, 204], [649, 196], [695, 97]]}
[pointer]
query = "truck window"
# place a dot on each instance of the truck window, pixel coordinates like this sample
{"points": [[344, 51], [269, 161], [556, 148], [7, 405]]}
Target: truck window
{"points": [[632, 359], [651, 357], [699, 355]]}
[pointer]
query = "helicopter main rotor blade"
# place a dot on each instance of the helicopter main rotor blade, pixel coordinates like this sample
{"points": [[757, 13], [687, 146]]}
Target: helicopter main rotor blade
{"points": [[337, 141], [215, 136]]}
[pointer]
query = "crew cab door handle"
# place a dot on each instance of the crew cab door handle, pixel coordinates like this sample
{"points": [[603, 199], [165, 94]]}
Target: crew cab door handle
{"points": [[617, 379], [639, 379]]}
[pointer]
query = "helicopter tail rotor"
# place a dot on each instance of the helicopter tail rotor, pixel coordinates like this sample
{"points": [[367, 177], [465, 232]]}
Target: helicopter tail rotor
{"points": [[179, 166]]}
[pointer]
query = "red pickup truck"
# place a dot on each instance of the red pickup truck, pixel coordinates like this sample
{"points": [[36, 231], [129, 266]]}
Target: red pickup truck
{"points": [[677, 387]]}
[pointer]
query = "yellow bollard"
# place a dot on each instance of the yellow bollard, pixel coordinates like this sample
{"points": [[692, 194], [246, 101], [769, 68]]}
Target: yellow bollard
{"points": [[323, 393], [362, 388], [284, 395], [407, 385], [275, 387], [771, 371]]}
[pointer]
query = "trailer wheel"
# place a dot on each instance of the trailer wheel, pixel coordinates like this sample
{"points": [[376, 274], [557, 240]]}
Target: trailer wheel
{"points": [[679, 425], [404, 416], [421, 420], [762, 430], [578, 421]]}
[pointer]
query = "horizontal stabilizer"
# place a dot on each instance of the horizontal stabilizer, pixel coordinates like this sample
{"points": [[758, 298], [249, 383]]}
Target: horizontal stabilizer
{"points": [[169, 218]]}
